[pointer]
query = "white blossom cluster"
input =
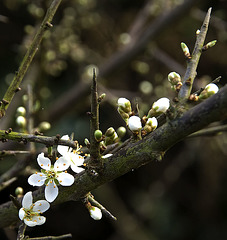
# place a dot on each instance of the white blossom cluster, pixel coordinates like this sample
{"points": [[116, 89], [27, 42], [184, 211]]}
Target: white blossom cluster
{"points": [[51, 176]]}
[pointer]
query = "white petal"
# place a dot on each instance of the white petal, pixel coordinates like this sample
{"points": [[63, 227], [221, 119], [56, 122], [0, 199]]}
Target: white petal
{"points": [[27, 200], [37, 179], [64, 149], [41, 206], [76, 169], [134, 123], [44, 162], [21, 214], [51, 191], [39, 220], [62, 164], [95, 213], [65, 179], [30, 223]]}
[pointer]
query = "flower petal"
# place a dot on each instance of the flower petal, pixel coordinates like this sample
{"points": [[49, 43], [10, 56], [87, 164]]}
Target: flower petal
{"points": [[30, 223], [41, 206], [64, 149], [51, 191], [37, 179], [21, 214], [39, 220], [76, 161], [27, 200], [61, 164], [43, 162], [65, 179]]}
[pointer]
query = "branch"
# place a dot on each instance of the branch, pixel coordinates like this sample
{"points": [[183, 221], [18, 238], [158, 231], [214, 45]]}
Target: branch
{"points": [[24, 137], [190, 73], [14, 86], [134, 155]]}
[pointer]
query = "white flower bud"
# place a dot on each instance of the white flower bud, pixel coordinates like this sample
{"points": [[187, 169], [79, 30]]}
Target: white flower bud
{"points": [[152, 122], [21, 111], [124, 104], [174, 78], [161, 105], [209, 90], [95, 213], [21, 121], [134, 124]]}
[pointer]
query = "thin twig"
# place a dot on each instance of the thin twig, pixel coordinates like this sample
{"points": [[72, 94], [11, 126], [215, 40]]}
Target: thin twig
{"points": [[104, 210], [3, 185], [65, 236], [94, 123], [190, 73], [24, 138], [12, 152], [19, 75]]}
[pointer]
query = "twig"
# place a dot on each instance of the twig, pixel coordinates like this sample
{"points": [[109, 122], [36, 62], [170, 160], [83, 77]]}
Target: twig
{"points": [[94, 123], [19, 75], [12, 152], [24, 137], [3, 185], [209, 132], [65, 236], [104, 210], [21, 231], [190, 73]]}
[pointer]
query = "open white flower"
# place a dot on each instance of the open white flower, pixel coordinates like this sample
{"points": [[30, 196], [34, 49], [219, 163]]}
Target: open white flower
{"points": [[71, 156], [51, 176], [95, 213], [134, 123], [30, 213]]}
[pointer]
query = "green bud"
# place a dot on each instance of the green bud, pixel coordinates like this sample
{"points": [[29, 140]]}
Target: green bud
{"points": [[110, 132], [185, 50], [86, 141], [21, 111], [209, 45], [44, 126], [121, 131], [19, 191], [98, 135], [21, 121], [101, 97], [174, 78]]}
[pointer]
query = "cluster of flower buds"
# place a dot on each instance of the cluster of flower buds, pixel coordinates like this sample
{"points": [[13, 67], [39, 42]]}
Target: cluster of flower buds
{"points": [[110, 136], [209, 90], [151, 125], [124, 108], [175, 81]]}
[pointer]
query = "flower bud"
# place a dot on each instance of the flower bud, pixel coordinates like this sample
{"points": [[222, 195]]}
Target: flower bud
{"points": [[121, 131], [158, 107], [21, 111], [124, 104], [98, 135], [209, 90], [95, 213], [44, 126], [21, 121], [134, 124], [185, 50], [151, 124], [87, 143], [174, 78], [209, 45], [110, 132], [19, 191]]}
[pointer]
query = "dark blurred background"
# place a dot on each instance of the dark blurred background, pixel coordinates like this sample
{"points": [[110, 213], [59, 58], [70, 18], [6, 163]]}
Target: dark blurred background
{"points": [[181, 198]]}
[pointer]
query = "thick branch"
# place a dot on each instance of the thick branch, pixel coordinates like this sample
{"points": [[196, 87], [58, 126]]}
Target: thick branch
{"points": [[134, 155]]}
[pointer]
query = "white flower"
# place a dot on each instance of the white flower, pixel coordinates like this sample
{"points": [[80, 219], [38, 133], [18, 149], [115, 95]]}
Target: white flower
{"points": [[134, 123], [152, 122], [51, 176], [211, 88], [95, 213], [161, 105], [71, 156], [30, 213]]}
